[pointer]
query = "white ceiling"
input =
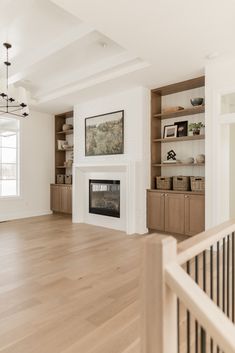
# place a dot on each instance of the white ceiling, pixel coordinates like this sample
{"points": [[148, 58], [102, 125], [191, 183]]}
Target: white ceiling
{"points": [[68, 51]]}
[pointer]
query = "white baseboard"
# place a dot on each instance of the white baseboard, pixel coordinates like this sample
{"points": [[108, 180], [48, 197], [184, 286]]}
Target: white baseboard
{"points": [[24, 214]]}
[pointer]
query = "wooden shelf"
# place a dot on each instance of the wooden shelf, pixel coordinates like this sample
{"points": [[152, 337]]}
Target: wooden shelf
{"points": [[67, 149], [189, 111], [62, 167], [178, 165], [178, 139], [62, 185], [177, 192], [180, 86], [66, 132]]}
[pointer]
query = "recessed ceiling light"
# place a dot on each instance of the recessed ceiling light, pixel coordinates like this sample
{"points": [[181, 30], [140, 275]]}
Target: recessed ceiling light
{"points": [[103, 44], [212, 55]]}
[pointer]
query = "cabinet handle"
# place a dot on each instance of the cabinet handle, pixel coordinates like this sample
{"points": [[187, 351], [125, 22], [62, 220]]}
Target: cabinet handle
{"points": [[166, 194], [186, 196], [162, 194]]}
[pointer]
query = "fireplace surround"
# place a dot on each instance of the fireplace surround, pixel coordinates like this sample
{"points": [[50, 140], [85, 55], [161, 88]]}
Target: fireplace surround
{"points": [[104, 197]]}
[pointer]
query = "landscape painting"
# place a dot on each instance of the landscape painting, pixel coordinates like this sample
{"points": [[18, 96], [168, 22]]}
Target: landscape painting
{"points": [[104, 134]]}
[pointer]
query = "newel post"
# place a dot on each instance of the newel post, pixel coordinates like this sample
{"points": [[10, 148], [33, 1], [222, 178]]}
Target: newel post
{"points": [[159, 303]]}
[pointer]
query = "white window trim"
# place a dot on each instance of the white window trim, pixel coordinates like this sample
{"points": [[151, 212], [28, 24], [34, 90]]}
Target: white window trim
{"points": [[18, 165]]}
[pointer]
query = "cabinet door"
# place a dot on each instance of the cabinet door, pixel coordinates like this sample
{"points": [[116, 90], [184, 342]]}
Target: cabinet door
{"points": [[194, 214], [66, 199], [55, 198], [69, 199], [174, 213], [155, 211]]}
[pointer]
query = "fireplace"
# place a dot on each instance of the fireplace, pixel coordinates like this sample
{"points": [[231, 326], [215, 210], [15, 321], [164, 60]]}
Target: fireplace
{"points": [[104, 197]]}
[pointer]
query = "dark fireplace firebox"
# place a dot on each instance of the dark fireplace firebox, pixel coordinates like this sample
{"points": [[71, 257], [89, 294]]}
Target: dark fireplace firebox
{"points": [[104, 197]]}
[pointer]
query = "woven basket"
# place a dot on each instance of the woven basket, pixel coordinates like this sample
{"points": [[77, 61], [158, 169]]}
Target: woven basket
{"points": [[164, 183], [197, 183], [181, 183]]}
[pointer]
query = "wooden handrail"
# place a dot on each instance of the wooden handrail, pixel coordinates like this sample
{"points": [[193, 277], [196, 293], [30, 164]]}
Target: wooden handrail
{"points": [[197, 244], [210, 317]]}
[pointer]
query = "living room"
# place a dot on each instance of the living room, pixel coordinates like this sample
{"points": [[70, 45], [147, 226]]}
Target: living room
{"points": [[116, 135]]}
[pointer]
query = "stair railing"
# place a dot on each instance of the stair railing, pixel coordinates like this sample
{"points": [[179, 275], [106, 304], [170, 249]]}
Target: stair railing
{"points": [[188, 293]]}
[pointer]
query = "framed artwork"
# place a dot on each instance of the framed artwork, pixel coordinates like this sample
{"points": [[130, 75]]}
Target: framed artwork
{"points": [[170, 131], [182, 128], [104, 134]]}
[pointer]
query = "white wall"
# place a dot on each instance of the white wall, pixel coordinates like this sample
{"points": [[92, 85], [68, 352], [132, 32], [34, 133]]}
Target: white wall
{"points": [[37, 171], [232, 171], [135, 103], [220, 79]]}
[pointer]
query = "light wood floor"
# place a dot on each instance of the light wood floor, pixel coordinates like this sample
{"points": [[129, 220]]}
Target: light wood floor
{"points": [[67, 288]]}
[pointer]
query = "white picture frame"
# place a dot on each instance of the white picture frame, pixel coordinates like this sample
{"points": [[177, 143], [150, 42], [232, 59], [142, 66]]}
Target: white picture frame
{"points": [[170, 131]]}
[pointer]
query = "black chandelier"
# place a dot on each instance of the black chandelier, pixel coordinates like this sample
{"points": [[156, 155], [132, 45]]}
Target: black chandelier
{"points": [[13, 100]]}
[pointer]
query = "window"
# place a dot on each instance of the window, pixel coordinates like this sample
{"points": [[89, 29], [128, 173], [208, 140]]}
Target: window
{"points": [[9, 157]]}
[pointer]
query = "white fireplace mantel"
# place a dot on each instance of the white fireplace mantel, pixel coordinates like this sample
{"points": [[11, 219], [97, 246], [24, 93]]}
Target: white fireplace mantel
{"points": [[125, 172]]}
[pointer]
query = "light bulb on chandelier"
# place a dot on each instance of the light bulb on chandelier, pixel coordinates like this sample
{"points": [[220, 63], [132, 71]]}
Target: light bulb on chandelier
{"points": [[13, 100]]}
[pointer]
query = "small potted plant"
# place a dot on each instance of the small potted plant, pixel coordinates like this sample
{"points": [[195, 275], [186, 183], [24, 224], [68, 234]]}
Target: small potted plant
{"points": [[196, 127]]}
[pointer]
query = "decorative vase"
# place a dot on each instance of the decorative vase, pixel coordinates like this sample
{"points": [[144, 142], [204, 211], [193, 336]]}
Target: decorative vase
{"points": [[200, 158], [196, 132]]}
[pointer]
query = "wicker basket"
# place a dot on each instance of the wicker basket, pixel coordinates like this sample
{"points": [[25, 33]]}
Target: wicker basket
{"points": [[60, 179], [197, 183], [68, 179], [181, 183], [164, 183]]}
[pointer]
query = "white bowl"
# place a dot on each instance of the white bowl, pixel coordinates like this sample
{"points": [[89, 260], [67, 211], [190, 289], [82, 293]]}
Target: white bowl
{"points": [[189, 160]]}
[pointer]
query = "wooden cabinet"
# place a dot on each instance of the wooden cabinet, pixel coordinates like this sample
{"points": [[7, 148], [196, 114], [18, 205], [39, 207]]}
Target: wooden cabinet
{"points": [[61, 194], [175, 213], [156, 212], [55, 198], [194, 214], [61, 198]]}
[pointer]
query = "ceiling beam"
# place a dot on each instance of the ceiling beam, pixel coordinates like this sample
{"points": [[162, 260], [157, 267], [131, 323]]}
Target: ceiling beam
{"points": [[28, 63], [86, 72], [119, 71]]}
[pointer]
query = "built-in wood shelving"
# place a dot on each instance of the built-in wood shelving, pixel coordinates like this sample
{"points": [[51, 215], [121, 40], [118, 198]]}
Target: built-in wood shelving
{"points": [[180, 139], [189, 111], [178, 165], [171, 211]]}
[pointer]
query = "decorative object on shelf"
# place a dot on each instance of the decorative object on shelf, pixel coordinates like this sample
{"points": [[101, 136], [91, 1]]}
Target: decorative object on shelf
{"points": [[164, 183], [181, 183], [60, 144], [68, 179], [197, 101], [13, 100], [170, 131], [66, 146], [171, 155], [104, 134], [172, 109], [200, 158], [68, 163], [196, 128], [60, 179], [189, 160], [197, 183], [182, 128], [66, 127]]}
